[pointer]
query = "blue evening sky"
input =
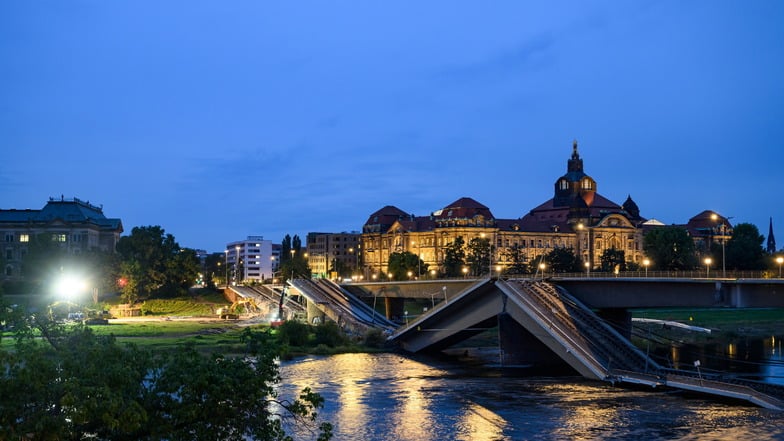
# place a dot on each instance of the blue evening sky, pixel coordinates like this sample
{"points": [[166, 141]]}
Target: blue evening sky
{"points": [[222, 119]]}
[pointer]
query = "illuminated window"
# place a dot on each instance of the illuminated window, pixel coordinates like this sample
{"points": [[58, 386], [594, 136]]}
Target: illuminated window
{"points": [[24, 238], [59, 238]]}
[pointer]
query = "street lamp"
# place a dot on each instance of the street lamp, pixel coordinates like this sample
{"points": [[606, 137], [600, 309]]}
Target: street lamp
{"points": [[780, 260], [723, 227], [645, 263], [237, 265], [465, 272], [708, 262], [587, 269], [542, 266]]}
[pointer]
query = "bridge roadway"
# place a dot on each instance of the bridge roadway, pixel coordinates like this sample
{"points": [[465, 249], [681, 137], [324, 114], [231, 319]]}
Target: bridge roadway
{"points": [[540, 322], [614, 292]]}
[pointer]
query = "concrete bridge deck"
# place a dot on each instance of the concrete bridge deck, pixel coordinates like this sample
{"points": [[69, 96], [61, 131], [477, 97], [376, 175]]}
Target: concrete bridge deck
{"points": [[537, 319]]}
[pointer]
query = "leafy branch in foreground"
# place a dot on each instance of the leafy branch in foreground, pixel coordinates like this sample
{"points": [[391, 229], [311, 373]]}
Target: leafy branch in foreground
{"points": [[69, 383]]}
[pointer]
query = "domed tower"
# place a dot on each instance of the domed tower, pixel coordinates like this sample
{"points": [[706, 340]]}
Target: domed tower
{"points": [[575, 188]]}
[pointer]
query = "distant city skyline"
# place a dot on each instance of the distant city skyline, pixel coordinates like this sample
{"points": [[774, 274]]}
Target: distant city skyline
{"points": [[222, 121]]}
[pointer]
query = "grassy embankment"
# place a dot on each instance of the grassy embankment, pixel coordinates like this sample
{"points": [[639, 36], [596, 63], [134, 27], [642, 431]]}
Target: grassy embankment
{"points": [[167, 323], [725, 324]]}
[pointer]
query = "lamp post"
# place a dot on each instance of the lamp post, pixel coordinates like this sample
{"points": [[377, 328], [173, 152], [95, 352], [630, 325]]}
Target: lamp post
{"points": [[708, 262], [446, 300], [780, 260], [237, 265], [587, 269], [722, 227], [542, 266], [645, 263], [226, 265]]}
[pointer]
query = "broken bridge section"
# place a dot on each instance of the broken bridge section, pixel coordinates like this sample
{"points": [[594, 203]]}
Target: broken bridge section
{"points": [[539, 321], [327, 300]]}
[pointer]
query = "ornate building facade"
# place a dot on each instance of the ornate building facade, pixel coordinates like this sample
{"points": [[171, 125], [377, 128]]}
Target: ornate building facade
{"points": [[75, 225], [576, 217]]}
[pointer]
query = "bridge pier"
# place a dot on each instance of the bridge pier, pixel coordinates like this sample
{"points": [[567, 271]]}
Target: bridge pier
{"points": [[521, 348], [313, 312], [394, 307]]}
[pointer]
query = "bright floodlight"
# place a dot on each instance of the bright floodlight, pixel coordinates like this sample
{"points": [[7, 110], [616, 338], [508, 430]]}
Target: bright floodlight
{"points": [[69, 286]]}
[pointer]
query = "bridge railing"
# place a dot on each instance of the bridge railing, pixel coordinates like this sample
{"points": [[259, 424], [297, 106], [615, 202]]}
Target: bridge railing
{"points": [[713, 274]]}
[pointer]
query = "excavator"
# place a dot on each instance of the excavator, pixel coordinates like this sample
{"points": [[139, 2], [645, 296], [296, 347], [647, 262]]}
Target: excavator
{"points": [[233, 312]]}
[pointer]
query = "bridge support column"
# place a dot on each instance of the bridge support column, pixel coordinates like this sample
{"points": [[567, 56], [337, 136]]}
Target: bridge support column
{"points": [[313, 312], [394, 307], [618, 318], [519, 347]]}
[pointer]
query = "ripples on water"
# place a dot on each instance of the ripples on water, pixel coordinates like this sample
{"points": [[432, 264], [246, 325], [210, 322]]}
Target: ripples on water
{"points": [[391, 397]]}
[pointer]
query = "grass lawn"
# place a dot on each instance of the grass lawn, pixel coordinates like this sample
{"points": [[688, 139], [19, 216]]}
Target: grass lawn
{"points": [[720, 319]]}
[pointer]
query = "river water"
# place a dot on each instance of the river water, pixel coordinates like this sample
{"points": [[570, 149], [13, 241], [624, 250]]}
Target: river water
{"points": [[395, 397]]}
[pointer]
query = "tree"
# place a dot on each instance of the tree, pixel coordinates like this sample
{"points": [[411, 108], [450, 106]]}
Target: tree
{"points": [[478, 256], [670, 248], [517, 256], [563, 260], [43, 261], [454, 258], [215, 270], [153, 264], [400, 264], [744, 250], [293, 262], [613, 259], [72, 384], [340, 268]]}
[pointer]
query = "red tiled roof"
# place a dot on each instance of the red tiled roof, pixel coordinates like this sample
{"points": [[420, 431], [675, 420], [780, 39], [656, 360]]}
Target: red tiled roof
{"points": [[463, 208], [386, 216]]}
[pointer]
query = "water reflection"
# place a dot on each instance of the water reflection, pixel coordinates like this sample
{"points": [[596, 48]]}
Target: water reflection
{"points": [[395, 398], [757, 359]]}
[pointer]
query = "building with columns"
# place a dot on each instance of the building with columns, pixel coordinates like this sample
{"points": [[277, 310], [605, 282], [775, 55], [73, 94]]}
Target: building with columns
{"points": [[576, 217]]}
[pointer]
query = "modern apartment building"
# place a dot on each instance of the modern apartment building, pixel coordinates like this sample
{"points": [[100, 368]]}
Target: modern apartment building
{"points": [[251, 260]]}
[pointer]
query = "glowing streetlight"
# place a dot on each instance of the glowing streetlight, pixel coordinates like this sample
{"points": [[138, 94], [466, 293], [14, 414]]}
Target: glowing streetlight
{"points": [[70, 286], [780, 260], [465, 272], [542, 266], [587, 269], [723, 227], [708, 262], [645, 263]]}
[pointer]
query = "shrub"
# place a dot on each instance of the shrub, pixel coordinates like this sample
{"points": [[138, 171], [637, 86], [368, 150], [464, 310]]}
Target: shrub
{"points": [[329, 334], [294, 333], [374, 338]]}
